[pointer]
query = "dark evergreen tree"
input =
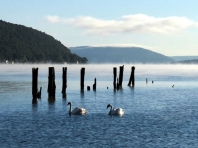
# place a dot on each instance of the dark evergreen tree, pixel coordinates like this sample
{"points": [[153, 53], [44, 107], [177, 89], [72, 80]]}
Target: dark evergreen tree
{"points": [[22, 44]]}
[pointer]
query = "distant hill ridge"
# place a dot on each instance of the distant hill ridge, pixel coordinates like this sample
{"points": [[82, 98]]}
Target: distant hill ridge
{"points": [[194, 61], [109, 54], [22, 45], [183, 58]]}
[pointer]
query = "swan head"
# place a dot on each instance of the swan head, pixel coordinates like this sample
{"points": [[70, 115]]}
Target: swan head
{"points": [[69, 103], [109, 105]]}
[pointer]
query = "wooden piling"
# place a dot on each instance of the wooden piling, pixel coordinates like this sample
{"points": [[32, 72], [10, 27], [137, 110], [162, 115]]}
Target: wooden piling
{"points": [[88, 88], [82, 77], [121, 76], [117, 84], [64, 78], [114, 77], [130, 79], [133, 76], [94, 85], [51, 83], [34, 84], [38, 94]]}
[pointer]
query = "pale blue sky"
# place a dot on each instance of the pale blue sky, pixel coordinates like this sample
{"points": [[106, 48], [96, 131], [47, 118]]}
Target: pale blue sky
{"points": [[169, 27]]}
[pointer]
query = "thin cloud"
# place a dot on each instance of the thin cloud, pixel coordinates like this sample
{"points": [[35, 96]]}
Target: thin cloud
{"points": [[53, 19], [139, 23]]}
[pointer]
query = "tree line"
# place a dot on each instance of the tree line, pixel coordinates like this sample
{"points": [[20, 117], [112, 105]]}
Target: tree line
{"points": [[21, 44]]}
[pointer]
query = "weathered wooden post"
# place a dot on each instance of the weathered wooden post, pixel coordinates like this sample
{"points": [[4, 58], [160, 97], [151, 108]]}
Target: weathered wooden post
{"points": [[39, 93], [121, 76], [94, 85], [64, 78], [82, 78], [117, 84], [34, 84], [133, 76], [51, 83], [130, 79], [114, 77]]}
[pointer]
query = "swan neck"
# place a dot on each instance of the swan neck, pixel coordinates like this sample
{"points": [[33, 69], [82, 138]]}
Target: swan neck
{"points": [[110, 110], [70, 108]]}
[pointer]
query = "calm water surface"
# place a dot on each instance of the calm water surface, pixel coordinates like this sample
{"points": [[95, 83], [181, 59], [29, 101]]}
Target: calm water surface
{"points": [[156, 115]]}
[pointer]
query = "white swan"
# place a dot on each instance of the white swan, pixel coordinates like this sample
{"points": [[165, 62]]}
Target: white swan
{"points": [[115, 111], [77, 110]]}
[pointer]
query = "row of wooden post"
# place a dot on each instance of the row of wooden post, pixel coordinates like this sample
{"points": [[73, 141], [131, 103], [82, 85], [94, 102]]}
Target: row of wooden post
{"points": [[52, 85]]}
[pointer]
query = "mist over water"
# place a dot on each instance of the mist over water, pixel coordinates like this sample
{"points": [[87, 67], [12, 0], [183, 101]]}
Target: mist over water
{"points": [[141, 69], [156, 115]]}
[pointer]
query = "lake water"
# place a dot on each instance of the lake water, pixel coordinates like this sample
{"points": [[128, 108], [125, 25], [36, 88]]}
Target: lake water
{"points": [[156, 115]]}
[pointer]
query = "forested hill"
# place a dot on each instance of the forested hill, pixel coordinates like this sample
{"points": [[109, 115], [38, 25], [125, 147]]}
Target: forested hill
{"points": [[26, 45]]}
